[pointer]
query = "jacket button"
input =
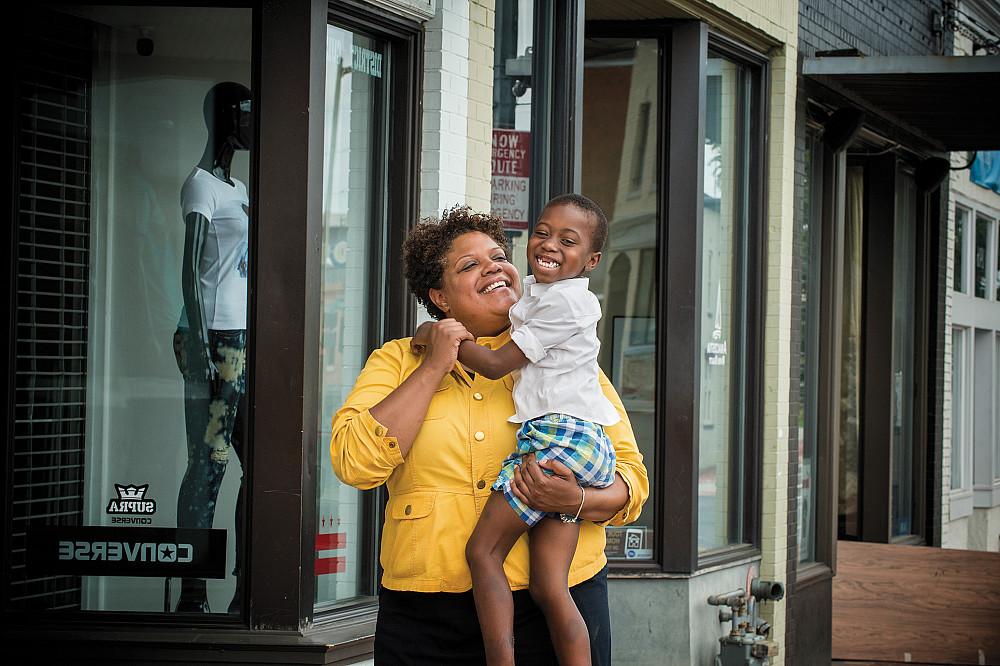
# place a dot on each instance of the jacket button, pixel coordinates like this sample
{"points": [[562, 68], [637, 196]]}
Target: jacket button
{"points": [[379, 430], [477, 395], [392, 445], [481, 485], [480, 435], [408, 510]]}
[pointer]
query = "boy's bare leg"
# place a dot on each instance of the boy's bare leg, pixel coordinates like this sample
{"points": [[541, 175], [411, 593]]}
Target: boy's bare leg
{"points": [[552, 544], [497, 530]]}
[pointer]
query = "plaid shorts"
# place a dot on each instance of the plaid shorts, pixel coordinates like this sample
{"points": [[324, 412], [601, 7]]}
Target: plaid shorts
{"points": [[580, 445]]}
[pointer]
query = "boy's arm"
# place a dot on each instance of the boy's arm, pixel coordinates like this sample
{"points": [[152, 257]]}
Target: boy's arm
{"points": [[491, 363]]}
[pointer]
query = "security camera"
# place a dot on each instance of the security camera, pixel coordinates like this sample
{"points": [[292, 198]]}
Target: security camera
{"points": [[144, 45]]}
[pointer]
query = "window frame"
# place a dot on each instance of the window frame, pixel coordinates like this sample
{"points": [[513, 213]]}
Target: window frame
{"points": [[81, 623], [824, 253], [751, 236], [684, 49], [287, 78]]}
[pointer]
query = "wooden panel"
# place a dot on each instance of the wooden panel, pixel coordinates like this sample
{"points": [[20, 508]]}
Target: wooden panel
{"points": [[913, 604]]}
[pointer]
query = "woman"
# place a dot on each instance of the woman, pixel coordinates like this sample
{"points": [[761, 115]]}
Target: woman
{"points": [[437, 435]]}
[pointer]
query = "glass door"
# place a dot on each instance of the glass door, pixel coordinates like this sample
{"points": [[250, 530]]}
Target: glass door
{"points": [[354, 164]]}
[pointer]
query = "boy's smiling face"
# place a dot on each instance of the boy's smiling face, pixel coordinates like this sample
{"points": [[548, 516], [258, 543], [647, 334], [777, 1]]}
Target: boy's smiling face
{"points": [[561, 246]]}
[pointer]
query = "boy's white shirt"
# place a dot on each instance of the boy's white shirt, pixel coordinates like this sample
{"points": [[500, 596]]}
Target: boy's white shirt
{"points": [[555, 326]]}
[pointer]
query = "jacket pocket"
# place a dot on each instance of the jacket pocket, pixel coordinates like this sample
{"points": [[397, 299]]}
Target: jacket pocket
{"points": [[408, 527], [409, 506]]}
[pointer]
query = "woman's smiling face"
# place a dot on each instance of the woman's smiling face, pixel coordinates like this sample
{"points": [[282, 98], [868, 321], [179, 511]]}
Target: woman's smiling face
{"points": [[478, 284]]}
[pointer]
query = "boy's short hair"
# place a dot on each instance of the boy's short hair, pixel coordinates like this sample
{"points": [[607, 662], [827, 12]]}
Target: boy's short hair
{"points": [[589, 206]]}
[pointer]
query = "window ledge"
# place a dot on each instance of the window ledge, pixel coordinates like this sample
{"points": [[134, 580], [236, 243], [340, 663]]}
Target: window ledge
{"points": [[324, 644], [960, 503], [986, 497], [810, 573], [653, 574]]}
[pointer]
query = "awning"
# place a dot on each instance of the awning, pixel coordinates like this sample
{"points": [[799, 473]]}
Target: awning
{"points": [[951, 100]]}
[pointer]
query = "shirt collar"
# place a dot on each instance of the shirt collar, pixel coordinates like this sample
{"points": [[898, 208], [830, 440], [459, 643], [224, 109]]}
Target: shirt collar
{"points": [[533, 288]]}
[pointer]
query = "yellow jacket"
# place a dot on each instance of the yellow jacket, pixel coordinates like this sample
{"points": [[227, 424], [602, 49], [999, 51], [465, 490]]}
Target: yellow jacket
{"points": [[437, 493]]}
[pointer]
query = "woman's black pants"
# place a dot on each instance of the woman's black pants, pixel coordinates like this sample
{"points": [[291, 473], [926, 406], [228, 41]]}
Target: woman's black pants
{"points": [[442, 627]]}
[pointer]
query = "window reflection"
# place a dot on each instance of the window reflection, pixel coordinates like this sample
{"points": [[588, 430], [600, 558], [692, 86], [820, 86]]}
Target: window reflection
{"points": [[354, 123], [850, 360], [959, 407], [809, 280], [720, 437], [619, 173], [981, 256], [132, 270], [512, 136], [961, 224]]}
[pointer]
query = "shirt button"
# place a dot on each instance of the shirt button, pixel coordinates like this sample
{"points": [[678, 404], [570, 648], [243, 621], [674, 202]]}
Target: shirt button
{"points": [[379, 430], [481, 485], [480, 435], [477, 395], [408, 510]]}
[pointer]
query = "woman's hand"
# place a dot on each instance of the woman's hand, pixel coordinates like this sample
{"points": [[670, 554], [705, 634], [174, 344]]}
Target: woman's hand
{"points": [[555, 493], [441, 347]]}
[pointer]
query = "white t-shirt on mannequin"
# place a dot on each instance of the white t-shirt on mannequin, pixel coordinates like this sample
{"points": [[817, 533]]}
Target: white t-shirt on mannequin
{"points": [[223, 268]]}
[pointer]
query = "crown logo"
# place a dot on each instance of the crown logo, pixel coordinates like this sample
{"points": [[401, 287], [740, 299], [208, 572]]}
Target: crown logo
{"points": [[131, 492]]}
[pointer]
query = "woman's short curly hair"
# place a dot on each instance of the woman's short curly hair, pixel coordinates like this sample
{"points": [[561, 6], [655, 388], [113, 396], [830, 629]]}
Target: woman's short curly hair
{"points": [[427, 244]]}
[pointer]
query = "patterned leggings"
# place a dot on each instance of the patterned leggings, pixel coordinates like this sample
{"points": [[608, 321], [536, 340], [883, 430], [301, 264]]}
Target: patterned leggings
{"points": [[214, 413]]}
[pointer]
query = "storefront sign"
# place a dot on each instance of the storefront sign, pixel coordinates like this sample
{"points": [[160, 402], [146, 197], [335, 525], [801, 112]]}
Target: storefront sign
{"points": [[630, 543], [127, 551], [131, 507], [366, 61], [511, 171]]}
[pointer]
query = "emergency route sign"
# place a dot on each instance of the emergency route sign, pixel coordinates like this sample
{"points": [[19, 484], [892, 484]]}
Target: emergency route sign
{"points": [[511, 169]]}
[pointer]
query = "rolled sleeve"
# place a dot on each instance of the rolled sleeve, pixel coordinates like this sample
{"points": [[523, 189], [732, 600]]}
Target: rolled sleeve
{"points": [[628, 463], [528, 343], [362, 451]]}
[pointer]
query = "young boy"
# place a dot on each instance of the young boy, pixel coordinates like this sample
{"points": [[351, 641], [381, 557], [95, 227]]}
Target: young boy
{"points": [[561, 408]]}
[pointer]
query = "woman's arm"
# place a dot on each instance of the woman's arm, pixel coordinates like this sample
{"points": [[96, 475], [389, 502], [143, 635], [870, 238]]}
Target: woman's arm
{"points": [[402, 411], [560, 493], [618, 504], [375, 428]]}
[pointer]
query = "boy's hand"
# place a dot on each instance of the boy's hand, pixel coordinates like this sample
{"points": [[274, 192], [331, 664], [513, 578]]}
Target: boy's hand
{"points": [[418, 343], [441, 349]]}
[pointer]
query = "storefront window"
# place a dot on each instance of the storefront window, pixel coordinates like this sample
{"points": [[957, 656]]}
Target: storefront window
{"points": [[959, 408], [721, 435], [512, 131], [619, 172], [961, 225], [808, 256], [996, 412], [132, 264], [354, 130], [903, 317], [848, 497], [982, 257]]}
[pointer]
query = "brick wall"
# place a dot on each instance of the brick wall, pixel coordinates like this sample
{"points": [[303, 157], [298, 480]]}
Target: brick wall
{"points": [[458, 75], [874, 27]]}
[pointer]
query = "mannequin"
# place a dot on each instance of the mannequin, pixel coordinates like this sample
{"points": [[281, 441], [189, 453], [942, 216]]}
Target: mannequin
{"points": [[210, 342]]}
